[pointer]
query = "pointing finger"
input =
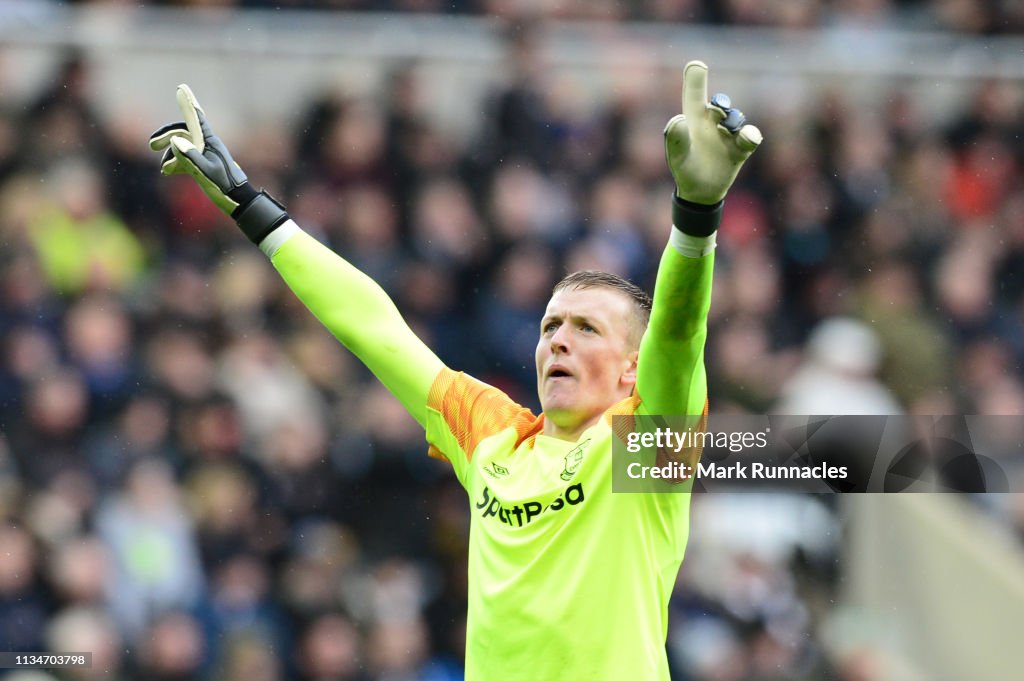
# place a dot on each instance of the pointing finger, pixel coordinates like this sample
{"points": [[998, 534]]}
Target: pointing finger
{"points": [[695, 89], [191, 110]]}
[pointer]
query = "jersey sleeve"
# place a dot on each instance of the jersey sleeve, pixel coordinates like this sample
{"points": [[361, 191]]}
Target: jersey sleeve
{"points": [[671, 378], [462, 411], [670, 369], [362, 316]]}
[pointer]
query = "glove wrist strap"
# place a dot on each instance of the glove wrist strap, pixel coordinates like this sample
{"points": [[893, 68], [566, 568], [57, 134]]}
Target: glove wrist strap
{"points": [[696, 219], [258, 213]]}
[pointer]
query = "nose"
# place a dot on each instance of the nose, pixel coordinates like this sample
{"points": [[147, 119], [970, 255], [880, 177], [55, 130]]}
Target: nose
{"points": [[560, 340]]}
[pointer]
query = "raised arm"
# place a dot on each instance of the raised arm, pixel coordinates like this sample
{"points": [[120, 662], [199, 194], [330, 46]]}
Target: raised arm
{"points": [[350, 304], [705, 147]]}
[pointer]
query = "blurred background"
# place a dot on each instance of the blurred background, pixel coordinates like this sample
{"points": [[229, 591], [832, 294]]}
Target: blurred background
{"points": [[198, 482]]}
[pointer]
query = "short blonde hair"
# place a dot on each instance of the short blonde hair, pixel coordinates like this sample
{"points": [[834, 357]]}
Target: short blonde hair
{"points": [[642, 302]]}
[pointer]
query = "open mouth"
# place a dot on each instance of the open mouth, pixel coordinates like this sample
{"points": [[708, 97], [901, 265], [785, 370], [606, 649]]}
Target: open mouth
{"points": [[558, 372]]}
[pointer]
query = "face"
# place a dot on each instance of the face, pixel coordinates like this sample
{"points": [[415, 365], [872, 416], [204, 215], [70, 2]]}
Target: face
{"points": [[586, 361]]}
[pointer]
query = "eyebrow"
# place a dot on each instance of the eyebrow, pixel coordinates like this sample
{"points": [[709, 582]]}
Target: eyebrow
{"points": [[573, 317]]}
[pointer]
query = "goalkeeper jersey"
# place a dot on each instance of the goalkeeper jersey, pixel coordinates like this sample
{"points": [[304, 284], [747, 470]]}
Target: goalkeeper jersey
{"points": [[567, 581]]}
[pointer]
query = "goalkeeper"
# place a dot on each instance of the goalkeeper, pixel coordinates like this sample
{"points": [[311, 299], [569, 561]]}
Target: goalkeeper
{"points": [[567, 581]]}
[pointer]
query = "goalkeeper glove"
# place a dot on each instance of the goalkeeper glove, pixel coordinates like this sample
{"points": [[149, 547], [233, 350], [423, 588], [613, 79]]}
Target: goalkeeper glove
{"points": [[190, 147], [705, 145]]}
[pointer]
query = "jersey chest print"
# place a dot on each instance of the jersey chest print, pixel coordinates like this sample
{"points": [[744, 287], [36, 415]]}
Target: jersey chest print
{"points": [[520, 513]]}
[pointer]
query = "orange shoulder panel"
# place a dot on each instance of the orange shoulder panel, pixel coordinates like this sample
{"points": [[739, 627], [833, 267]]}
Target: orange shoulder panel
{"points": [[474, 410], [624, 426]]}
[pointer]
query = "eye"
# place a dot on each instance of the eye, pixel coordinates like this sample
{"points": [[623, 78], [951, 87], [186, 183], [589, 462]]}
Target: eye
{"points": [[588, 328], [549, 327]]}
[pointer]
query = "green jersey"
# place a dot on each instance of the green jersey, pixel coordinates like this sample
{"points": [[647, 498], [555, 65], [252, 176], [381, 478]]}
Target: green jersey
{"points": [[567, 581]]}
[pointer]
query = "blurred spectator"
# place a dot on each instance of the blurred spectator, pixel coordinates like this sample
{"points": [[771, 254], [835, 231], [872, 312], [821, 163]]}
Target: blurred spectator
{"points": [[510, 316], [156, 563], [62, 510], [23, 602], [446, 228], [30, 352], [300, 480], [617, 203], [99, 338], [525, 205], [268, 390], [519, 124], [398, 651], [81, 572], [368, 234], [172, 649], [81, 245], [329, 650], [838, 376], [249, 658], [428, 293], [242, 285], [916, 358], [240, 602], [61, 122], [45, 442], [141, 430], [210, 429], [178, 362], [323, 558], [88, 629], [351, 149], [27, 298], [223, 500]]}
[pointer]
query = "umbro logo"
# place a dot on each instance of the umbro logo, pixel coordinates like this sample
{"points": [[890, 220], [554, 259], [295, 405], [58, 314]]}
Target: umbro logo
{"points": [[496, 470]]}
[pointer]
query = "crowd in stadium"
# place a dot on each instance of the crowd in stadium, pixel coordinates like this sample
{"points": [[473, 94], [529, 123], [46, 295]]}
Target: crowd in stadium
{"points": [[970, 16], [198, 482]]}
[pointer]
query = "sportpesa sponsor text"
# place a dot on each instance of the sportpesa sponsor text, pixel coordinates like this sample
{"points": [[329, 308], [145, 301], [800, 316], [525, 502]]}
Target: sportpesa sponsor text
{"points": [[521, 514]]}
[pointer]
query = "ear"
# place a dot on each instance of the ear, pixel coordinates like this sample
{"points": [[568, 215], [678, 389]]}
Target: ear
{"points": [[628, 377]]}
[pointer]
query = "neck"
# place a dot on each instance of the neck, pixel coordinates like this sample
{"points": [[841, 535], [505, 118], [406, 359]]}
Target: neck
{"points": [[569, 432]]}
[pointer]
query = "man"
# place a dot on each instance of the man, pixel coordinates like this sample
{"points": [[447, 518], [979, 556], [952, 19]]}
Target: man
{"points": [[567, 581]]}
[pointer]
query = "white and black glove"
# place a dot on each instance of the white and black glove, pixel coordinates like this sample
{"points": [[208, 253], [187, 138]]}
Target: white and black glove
{"points": [[705, 147], [190, 147]]}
